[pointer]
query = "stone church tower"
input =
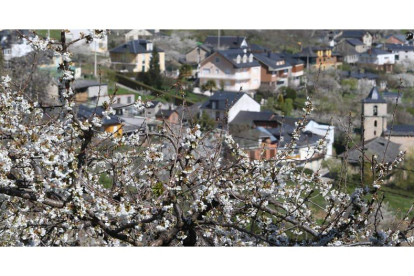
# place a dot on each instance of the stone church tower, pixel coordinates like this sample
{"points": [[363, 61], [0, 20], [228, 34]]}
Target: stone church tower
{"points": [[374, 109]]}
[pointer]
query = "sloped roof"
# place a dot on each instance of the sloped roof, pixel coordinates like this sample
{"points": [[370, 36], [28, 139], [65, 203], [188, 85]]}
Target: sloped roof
{"points": [[231, 42], [80, 84], [85, 112], [257, 48], [400, 37], [358, 75], [374, 97], [354, 41], [400, 130], [399, 47], [231, 56], [270, 60], [224, 100], [375, 52], [353, 33], [165, 113], [291, 59], [391, 95], [247, 117], [134, 47], [375, 146]]}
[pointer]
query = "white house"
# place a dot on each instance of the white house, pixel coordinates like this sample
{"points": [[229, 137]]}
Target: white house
{"points": [[222, 101], [140, 34], [13, 46], [378, 59], [235, 69], [403, 52], [322, 130]]}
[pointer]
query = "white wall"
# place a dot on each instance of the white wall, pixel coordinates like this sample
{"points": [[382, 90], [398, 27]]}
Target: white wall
{"points": [[123, 99], [93, 91], [245, 103], [384, 59], [320, 129], [404, 56]]}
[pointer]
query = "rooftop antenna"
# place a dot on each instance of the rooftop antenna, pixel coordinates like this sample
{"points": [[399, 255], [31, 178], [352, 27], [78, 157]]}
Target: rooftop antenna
{"points": [[218, 43]]}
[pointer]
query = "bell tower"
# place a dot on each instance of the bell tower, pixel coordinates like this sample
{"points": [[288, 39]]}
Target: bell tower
{"points": [[374, 109]]}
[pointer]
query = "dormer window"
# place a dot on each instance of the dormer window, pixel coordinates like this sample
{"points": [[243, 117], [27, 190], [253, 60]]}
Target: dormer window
{"points": [[217, 60], [149, 46], [251, 58], [375, 110], [238, 60], [214, 104], [244, 59]]}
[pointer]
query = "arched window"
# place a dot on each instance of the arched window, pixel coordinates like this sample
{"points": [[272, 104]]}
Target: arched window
{"points": [[375, 133], [375, 110], [375, 123]]}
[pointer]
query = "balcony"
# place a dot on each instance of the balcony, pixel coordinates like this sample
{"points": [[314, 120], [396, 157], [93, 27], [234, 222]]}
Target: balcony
{"points": [[236, 76]]}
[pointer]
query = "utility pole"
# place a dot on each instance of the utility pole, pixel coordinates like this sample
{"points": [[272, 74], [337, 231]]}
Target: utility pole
{"points": [[95, 68], [218, 43]]}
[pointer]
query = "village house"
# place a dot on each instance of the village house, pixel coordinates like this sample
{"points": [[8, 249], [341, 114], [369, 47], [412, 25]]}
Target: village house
{"points": [[168, 115], [13, 46], [275, 70], [377, 59], [92, 92], [350, 49], [232, 70], [135, 56], [315, 57], [364, 36], [396, 39], [364, 79], [230, 103], [138, 34], [225, 42], [195, 56], [403, 52], [392, 96], [269, 126], [296, 75]]}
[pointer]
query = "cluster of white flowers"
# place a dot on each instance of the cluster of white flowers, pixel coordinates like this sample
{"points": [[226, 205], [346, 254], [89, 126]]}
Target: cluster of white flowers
{"points": [[39, 44], [5, 81]]}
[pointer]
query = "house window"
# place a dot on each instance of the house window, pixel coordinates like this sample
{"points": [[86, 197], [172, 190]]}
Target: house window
{"points": [[217, 115], [217, 71], [255, 70], [227, 71], [214, 104], [217, 60], [375, 123], [375, 110], [375, 133], [255, 82], [143, 68], [397, 57], [118, 100], [206, 71], [129, 99]]}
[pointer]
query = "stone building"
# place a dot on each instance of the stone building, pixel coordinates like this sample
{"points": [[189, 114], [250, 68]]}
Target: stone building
{"points": [[374, 109]]}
